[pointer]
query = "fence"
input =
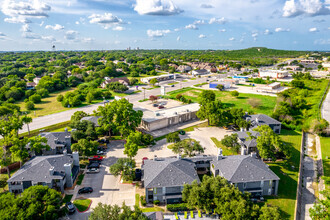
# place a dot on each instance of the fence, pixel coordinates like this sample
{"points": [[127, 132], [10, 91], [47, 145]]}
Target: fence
{"points": [[300, 177], [11, 167]]}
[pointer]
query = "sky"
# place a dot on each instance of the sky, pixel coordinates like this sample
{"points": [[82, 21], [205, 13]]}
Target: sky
{"points": [[164, 24]]}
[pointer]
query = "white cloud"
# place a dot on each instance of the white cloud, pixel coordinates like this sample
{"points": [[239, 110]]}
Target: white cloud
{"points": [[191, 26], [41, 24], [55, 27], [293, 8], [222, 30], [322, 41], [25, 28], [71, 35], [199, 22], [202, 36], [156, 7], [314, 29], [267, 32], [177, 29], [87, 40], [77, 23], [118, 28], [178, 38], [206, 6], [2, 34], [279, 29], [106, 20], [232, 39], [117, 42], [48, 38], [255, 35], [157, 33], [19, 11], [218, 21], [30, 35]]}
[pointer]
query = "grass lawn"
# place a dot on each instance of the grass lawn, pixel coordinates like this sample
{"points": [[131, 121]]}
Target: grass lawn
{"points": [[286, 198], [48, 105], [152, 209], [67, 198], [173, 83], [5, 175], [137, 200], [200, 84], [325, 147], [80, 179], [56, 127], [225, 150], [267, 102], [82, 204]]}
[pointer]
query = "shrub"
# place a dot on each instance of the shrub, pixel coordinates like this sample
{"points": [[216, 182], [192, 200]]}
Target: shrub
{"points": [[177, 207], [29, 105], [255, 103], [43, 92], [234, 93], [156, 202], [35, 98], [178, 96], [143, 200], [173, 137], [59, 98]]}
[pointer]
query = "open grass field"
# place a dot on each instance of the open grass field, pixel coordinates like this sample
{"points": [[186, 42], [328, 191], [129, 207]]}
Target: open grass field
{"points": [[267, 102], [325, 147], [82, 204], [225, 150], [286, 198]]}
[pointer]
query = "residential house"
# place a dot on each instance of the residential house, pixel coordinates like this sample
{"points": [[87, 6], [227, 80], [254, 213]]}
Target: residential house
{"points": [[93, 119], [58, 142], [199, 72], [248, 144], [30, 85], [55, 171], [184, 68], [261, 119], [36, 80], [247, 173], [164, 178], [122, 80]]}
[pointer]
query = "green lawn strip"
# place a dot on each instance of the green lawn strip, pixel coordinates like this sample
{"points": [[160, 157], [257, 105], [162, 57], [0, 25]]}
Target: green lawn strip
{"points": [[243, 101], [82, 204], [325, 148], [152, 209], [80, 179], [61, 125], [225, 150], [286, 198], [137, 200], [173, 83], [200, 84], [67, 198]]}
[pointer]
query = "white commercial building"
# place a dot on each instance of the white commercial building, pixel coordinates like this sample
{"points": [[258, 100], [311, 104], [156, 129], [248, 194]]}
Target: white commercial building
{"points": [[160, 78], [275, 74], [326, 65]]}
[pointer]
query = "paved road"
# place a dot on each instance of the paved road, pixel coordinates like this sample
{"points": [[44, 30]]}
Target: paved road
{"points": [[40, 122], [325, 111]]}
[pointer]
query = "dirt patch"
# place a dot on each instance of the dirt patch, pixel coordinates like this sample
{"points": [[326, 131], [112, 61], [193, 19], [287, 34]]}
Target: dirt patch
{"points": [[192, 93]]}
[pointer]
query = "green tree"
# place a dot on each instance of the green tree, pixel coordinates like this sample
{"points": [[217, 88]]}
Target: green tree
{"points": [[220, 87], [320, 209], [125, 167], [231, 141], [89, 97], [206, 96], [78, 115], [269, 213], [234, 93], [29, 105], [134, 141], [298, 83], [60, 98], [35, 98], [173, 137], [119, 117], [85, 147], [108, 212], [37, 144], [153, 81], [187, 147]]}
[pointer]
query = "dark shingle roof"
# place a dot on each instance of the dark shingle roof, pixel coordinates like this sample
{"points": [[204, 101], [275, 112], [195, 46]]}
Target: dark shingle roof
{"points": [[56, 138], [261, 119], [154, 215], [92, 119], [167, 172], [243, 136], [243, 168], [37, 169]]}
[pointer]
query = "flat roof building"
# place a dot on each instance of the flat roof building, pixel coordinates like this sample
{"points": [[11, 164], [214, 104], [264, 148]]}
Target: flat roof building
{"points": [[275, 74]]}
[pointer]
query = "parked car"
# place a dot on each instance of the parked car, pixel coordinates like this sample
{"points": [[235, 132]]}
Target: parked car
{"points": [[96, 158], [160, 107], [172, 85], [138, 174], [85, 190], [93, 170], [93, 165], [99, 152], [182, 132], [70, 206], [155, 105]]}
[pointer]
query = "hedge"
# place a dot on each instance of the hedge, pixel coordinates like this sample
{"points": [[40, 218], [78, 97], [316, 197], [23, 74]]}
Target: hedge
{"points": [[178, 207]]}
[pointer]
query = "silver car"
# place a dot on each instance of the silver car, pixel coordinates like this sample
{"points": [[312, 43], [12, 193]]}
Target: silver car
{"points": [[93, 170]]}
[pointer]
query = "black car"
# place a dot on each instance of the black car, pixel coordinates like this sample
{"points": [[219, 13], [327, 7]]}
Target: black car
{"points": [[70, 206], [85, 190], [93, 164]]}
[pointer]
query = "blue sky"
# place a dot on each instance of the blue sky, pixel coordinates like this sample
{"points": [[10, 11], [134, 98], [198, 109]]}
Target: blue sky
{"points": [[164, 24]]}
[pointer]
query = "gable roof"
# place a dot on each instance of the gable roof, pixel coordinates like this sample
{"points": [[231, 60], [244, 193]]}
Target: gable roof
{"points": [[243, 168], [37, 169], [261, 119], [167, 172], [154, 215], [56, 138], [92, 119], [244, 137]]}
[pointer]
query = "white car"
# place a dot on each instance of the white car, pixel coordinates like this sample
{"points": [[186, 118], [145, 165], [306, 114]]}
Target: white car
{"points": [[99, 152], [93, 170]]}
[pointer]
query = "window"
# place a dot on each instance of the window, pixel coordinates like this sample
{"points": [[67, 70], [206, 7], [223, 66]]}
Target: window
{"points": [[269, 191], [244, 185], [270, 183], [155, 190], [164, 190], [262, 183], [155, 197]]}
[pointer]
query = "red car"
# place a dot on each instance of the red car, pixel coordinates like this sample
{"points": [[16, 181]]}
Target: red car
{"points": [[143, 159], [96, 158], [160, 107]]}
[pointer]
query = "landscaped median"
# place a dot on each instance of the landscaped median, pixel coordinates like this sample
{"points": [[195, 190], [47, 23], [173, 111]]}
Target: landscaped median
{"points": [[82, 205]]}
